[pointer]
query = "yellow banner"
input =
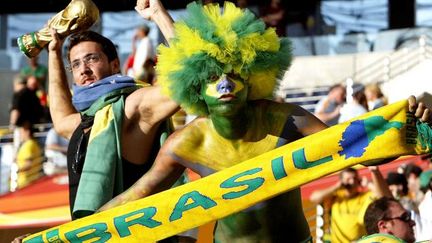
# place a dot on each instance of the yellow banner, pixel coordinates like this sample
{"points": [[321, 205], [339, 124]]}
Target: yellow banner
{"points": [[388, 132]]}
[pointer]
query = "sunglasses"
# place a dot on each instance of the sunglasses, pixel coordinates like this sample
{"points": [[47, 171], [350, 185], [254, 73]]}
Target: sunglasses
{"points": [[405, 217]]}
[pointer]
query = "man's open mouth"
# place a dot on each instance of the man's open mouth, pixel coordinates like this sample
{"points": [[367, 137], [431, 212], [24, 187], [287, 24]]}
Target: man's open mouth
{"points": [[227, 97]]}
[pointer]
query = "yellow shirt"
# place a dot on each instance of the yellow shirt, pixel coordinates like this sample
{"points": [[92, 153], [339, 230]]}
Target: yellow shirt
{"points": [[30, 150], [347, 217]]}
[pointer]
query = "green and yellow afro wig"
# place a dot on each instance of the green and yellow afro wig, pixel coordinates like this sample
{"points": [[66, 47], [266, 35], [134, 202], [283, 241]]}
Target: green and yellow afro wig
{"points": [[209, 43]]}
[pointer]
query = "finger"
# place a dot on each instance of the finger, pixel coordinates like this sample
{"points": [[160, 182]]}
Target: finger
{"points": [[426, 116], [412, 103], [54, 34], [420, 110]]}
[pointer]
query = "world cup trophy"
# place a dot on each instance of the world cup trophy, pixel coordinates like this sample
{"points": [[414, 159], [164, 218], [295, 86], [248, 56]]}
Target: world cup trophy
{"points": [[78, 15]]}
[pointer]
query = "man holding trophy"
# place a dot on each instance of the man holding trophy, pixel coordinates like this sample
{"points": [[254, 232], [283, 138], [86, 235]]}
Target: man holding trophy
{"points": [[114, 125]]}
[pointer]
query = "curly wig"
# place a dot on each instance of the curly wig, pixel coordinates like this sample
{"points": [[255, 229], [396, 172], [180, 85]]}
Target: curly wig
{"points": [[210, 42]]}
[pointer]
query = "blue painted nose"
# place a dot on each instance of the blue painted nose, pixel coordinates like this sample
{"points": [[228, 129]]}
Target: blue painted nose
{"points": [[225, 86]]}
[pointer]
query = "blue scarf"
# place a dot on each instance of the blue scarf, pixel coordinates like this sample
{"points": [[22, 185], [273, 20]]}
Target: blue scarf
{"points": [[85, 96]]}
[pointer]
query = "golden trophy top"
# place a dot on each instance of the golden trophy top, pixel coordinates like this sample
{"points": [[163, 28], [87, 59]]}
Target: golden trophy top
{"points": [[78, 15]]}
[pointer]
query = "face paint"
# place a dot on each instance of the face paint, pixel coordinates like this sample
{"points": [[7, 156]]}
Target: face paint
{"points": [[225, 96], [224, 86]]}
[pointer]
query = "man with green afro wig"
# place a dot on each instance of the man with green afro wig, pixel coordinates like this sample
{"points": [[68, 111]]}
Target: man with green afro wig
{"points": [[223, 65]]}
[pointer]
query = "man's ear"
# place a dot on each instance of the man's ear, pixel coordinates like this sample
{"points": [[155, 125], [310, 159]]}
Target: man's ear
{"points": [[382, 226], [115, 65]]}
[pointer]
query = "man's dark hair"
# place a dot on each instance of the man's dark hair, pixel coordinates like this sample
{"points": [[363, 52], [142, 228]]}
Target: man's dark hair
{"points": [[334, 86], [394, 178], [412, 169], [376, 211], [348, 170], [108, 47], [145, 29]]}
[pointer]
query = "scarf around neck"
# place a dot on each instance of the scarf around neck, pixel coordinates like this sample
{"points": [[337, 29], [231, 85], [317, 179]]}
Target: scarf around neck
{"points": [[85, 96]]}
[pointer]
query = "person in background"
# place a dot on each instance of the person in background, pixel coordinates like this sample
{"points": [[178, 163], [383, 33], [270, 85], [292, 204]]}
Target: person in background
{"points": [[149, 73], [144, 51], [423, 230], [412, 173], [386, 220], [328, 108], [356, 106], [273, 14], [398, 186], [375, 98], [25, 110], [349, 201], [28, 160], [129, 62], [33, 85], [26, 106], [39, 71], [55, 152]]}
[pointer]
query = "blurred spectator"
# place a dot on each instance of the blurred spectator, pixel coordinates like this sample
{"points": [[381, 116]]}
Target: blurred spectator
{"points": [[128, 64], [356, 106], [55, 152], [28, 159], [424, 227], [387, 221], [144, 50], [33, 85], [149, 73], [328, 108], [273, 14], [374, 96], [412, 174], [244, 4], [34, 68], [348, 202], [398, 186], [26, 109]]}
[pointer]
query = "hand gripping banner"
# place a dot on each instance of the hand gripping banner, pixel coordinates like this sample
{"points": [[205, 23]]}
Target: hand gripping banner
{"points": [[388, 132]]}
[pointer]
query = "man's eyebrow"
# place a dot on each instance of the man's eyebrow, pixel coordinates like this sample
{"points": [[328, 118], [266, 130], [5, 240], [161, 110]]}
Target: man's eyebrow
{"points": [[89, 54]]}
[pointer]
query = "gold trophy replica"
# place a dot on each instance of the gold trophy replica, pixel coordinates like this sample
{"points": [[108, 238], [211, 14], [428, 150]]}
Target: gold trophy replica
{"points": [[78, 15]]}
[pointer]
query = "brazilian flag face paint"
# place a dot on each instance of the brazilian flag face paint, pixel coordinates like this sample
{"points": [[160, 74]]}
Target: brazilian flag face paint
{"points": [[225, 85], [226, 95]]}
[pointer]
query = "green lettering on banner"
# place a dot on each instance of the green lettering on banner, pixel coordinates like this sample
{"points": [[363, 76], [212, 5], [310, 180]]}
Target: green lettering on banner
{"points": [[278, 168], [252, 184], [145, 219], [98, 231], [198, 200], [300, 161], [53, 236]]}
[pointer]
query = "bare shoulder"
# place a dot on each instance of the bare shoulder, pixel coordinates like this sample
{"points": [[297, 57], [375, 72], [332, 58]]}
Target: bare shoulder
{"points": [[306, 122]]}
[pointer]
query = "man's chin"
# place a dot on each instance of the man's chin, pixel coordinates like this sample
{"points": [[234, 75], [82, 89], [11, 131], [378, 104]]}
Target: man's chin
{"points": [[225, 109]]}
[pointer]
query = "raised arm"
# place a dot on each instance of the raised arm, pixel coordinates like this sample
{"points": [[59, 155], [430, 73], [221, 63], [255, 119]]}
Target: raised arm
{"points": [[319, 196], [152, 104], [163, 174], [380, 186], [64, 116], [155, 11]]}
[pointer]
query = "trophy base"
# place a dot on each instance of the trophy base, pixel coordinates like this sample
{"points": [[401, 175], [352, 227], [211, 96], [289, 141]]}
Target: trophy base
{"points": [[29, 45]]}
